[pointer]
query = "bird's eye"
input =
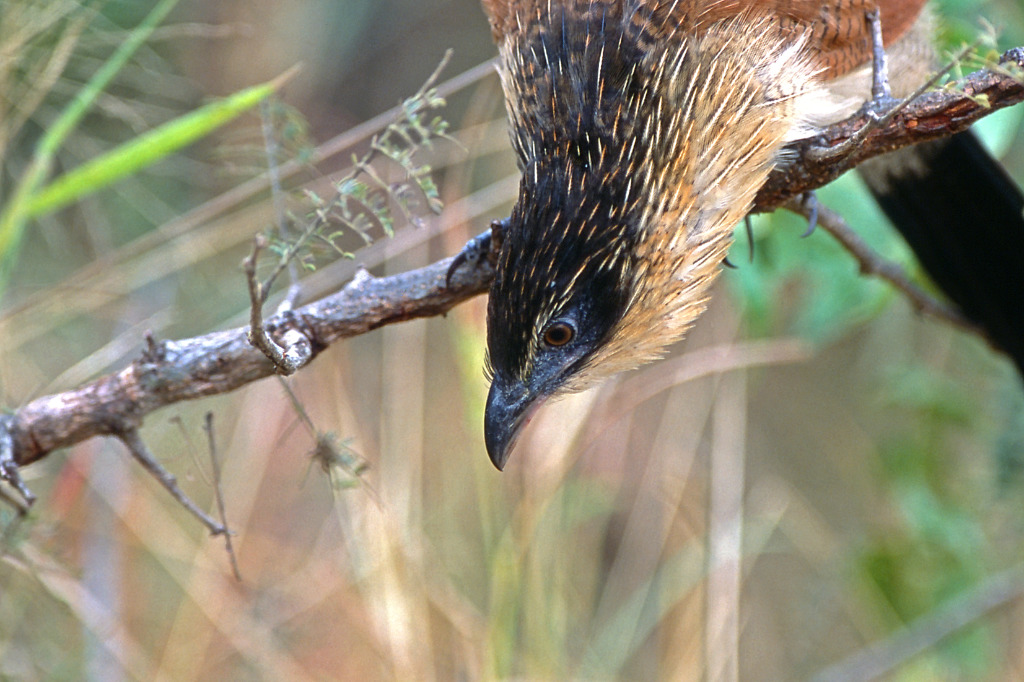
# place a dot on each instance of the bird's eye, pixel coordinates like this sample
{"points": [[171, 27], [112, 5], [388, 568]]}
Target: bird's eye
{"points": [[559, 334]]}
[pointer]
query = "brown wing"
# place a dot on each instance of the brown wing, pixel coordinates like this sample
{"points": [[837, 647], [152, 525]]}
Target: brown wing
{"points": [[838, 31]]}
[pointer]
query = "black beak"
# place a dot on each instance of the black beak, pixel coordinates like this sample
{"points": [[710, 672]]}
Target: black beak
{"points": [[509, 408]]}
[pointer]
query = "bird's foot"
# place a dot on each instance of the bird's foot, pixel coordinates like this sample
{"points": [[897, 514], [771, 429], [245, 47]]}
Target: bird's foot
{"points": [[483, 246], [882, 106], [809, 201], [881, 92]]}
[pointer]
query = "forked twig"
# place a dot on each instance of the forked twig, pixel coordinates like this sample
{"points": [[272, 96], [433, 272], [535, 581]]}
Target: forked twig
{"points": [[140, 451]]}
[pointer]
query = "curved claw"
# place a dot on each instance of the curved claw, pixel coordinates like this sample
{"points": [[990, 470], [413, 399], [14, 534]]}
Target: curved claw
{"points": [[750, 241], [811, 200], [475, 249], [484, 245], [749, 225]]}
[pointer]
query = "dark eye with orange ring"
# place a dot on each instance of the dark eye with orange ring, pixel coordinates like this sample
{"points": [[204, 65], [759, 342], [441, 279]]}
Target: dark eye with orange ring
{"points": [[559, 334]]}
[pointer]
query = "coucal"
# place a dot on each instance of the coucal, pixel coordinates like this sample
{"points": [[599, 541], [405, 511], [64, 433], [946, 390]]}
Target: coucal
{"points": [[644, 129]]}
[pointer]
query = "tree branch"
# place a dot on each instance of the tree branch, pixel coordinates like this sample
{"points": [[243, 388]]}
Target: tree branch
{"points": [[930, 116], [172, 371]]}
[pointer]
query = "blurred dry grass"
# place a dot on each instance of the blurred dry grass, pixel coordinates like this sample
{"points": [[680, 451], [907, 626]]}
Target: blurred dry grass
{"points": [[771, 498]]}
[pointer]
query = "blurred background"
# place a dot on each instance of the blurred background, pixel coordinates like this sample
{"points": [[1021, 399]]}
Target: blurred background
{"points": [[813, 471]]}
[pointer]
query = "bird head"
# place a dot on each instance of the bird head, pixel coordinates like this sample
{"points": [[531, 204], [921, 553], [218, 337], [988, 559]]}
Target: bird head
{"points": [[584, 289], [548, 317]]}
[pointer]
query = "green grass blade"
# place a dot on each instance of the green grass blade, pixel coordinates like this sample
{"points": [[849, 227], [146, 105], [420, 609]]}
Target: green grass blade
{"points": [[144, 150], [13, 216]]}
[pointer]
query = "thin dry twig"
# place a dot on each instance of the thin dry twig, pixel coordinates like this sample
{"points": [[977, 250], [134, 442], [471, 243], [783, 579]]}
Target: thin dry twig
{"points": [[140, 451], [272, 149], [218, 494], [297, 350], [871, 263]]}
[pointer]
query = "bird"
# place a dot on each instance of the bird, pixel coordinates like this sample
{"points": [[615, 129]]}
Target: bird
{"points": [[643, 130]]}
